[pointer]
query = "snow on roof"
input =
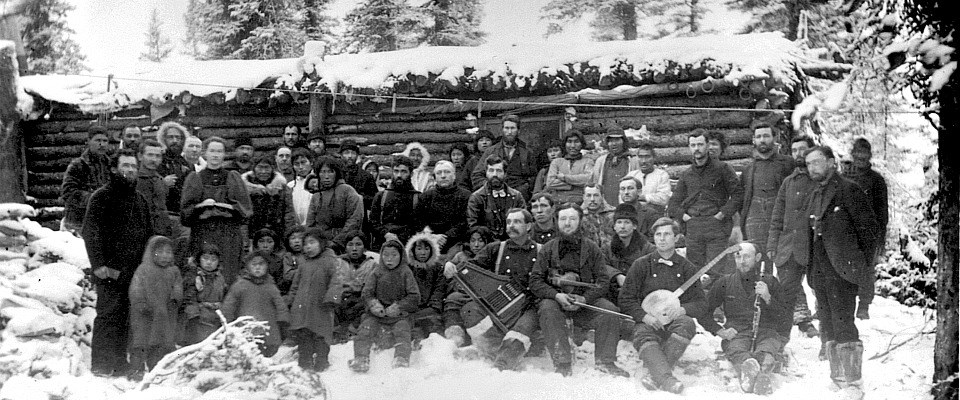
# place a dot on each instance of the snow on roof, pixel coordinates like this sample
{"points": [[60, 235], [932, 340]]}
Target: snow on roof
{"points": [[156, 82]]}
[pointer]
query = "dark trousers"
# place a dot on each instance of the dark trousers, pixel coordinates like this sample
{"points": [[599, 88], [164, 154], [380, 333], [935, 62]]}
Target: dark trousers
{"points": [[791, 281], [706, 237], [553, 322], [757, 224], [427, 320], [349, 311], [836, 298], [313, 349], [370, 326], [739, 349], [108, 347], [867, 288], [452, 306], [683, 326]]}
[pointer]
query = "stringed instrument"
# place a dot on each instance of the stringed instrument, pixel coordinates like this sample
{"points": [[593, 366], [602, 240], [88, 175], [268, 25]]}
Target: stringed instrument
{"points": [[659, 303]]}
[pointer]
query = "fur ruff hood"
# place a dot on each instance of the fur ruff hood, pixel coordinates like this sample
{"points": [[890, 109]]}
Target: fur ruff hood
{"points": [[425, 236], [423, 151], [162, 135]]}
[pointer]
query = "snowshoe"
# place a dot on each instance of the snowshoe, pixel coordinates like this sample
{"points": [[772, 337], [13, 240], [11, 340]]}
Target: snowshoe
{"points": [[360, 364], [748, 374], [612, 369]]}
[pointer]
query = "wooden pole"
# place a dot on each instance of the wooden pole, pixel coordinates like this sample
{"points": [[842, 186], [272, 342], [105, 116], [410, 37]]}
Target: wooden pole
{"points": [[11, 143], [318, 111]]}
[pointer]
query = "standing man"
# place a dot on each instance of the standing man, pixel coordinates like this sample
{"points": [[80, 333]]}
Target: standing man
{"points": [[356, 177], [317, 143], [788, 244], [192, 147], [291, 137], [84, 175], [284, 161], [568, 175], [630, 192], [598, 219], [761, 181], [174, 169], [572, 257], [872, 182], [611, 167], [515, 258], [542, 207], [115, 231], [843, 236], [441, 208], [242, 155], [705, 199], [488, 205], [519, 165], [152, 187], [130, 137], [655, 182], [393, 212]]}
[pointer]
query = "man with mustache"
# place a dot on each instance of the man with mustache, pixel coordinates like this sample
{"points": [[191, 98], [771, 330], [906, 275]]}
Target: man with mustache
{"points": [[393, 212], [597, 222], [630, 192], [242, 155], [761, 181], [174, 169], [151, 186], [518, 163], [705, 199], [573, 257], [442, 206], [488, 205]]}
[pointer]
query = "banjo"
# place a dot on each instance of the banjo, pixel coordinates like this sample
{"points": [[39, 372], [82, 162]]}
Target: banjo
{"points": [[659, 302]]}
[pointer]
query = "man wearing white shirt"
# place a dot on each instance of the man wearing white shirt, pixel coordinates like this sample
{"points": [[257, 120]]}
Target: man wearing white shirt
{"points": [[299, 195], [656, 189]]}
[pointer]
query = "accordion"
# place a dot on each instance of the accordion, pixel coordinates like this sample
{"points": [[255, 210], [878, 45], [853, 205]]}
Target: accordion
{"points": [[500, 297]]}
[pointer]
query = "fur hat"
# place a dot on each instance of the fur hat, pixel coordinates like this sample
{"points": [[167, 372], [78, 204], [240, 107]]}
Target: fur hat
{"points": [[428, 237], [349, 145], [626, 211]]}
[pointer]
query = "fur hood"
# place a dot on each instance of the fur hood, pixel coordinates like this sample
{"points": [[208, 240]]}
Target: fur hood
{"points": [[161, 132], [423, 150], [152, 244], [425, 236]]}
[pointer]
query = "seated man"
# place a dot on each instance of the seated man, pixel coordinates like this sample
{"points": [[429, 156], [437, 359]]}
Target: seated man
{"points": [[515, 258], [753, 353], [573, 257], [661, 344]]}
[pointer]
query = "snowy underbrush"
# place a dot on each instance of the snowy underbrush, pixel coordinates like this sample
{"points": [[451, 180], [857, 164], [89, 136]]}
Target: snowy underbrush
{"points": [[46, 303]]}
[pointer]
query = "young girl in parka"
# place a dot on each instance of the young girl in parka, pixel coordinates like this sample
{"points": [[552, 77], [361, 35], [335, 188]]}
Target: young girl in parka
{"points": [[254, 294], [391, 295], [203, 292], [267, 242], [155, 295], [314, 295], [423, 252], [292, 257]]}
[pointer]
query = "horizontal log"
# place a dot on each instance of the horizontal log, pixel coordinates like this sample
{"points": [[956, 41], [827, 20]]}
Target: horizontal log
{"points": [[55, 152], [33, 137], [39, 178], [386, 116], [683, 122], [407, 137], [433, 148], [674, 155], [680, 139], [44, 191], [45, 202], [424, 126], [738, 164], [227, 121], [56, 165]]}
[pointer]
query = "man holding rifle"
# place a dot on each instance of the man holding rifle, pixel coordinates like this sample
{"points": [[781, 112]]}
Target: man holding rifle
{"points": [[572, 261]]}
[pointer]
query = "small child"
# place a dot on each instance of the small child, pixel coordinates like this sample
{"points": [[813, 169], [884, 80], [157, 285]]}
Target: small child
{"points": [[155, 295], [390, 294], [480, 236], [358, 264], [314, 295], [292, 257], [267, 242], [254, 294], [423, 251], [203, 290]]}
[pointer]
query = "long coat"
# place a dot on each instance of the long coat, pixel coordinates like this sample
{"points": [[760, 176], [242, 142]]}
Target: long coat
{"points": [[203, 295], [258, 298], [336, 211], [788, 224], [842, 214], [116, 229], [84, 175], [155, 296], [315, 292]]}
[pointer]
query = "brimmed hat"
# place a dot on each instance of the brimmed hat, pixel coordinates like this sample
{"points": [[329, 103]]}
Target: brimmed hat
{"points": [[316, 134], [349, 144], [614, 132], [626, 211]]}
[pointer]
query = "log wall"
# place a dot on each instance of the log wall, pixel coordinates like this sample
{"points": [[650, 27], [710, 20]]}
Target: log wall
{"points": [[51, 143]]}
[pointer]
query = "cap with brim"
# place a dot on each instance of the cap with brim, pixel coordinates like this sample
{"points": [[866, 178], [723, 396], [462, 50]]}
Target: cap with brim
{"points": [[614, 132]]}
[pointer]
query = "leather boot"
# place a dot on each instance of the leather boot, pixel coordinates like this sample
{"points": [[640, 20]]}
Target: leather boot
{"points": [[508, 356], [674, 348], [836, 366], [851, 360], [658, 370], [863, 310]]}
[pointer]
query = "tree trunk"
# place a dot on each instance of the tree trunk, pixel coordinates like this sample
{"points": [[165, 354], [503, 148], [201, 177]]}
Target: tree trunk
{"points": [[11, 142], [694, 16], [946, 346], [793, 18], [627, 14]]}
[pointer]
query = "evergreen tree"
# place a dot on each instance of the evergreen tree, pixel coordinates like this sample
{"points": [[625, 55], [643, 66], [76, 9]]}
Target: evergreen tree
{"points": [[245, 29], [774, 15], [46, 38], [316, 24], [455, 23], [620, 19], [382, 25], [158, 44]]}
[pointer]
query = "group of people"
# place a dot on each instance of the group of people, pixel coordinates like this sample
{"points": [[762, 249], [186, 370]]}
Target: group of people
{"points": [[175, 232]]}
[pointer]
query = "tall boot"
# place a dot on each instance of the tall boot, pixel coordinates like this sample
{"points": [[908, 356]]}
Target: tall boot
{"points": [[508, 356], [674, 348], [851, 359], [659, 373], [836, 366]]}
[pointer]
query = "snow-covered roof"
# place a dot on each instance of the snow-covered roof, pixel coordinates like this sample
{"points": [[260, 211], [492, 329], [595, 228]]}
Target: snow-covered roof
{"points": [[528, 69]]}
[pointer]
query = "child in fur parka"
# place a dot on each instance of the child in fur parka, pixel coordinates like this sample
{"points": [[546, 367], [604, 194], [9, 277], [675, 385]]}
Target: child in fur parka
{"points": [[255, 294], [314, 295], [423, 251], [391, 294], [203, 292], [155, 295]]}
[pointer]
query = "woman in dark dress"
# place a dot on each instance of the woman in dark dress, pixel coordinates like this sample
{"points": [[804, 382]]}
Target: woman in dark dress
{"points": [[215, 204]]}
